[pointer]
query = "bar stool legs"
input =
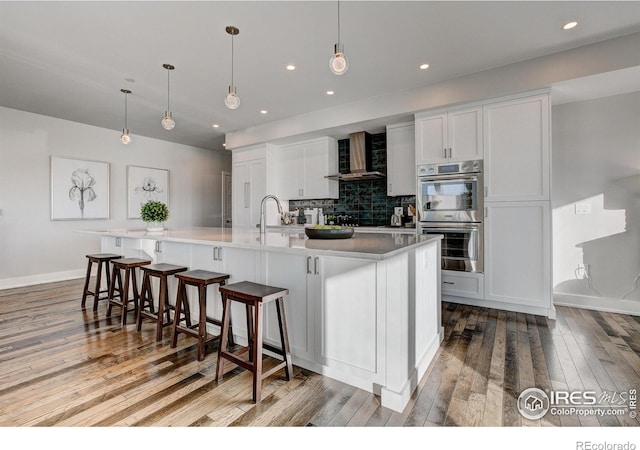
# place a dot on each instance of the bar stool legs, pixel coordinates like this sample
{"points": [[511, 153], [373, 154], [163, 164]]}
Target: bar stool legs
{"points": [[103, 262], [146, 309], [128, 265], [200, 279], [254, 295]]}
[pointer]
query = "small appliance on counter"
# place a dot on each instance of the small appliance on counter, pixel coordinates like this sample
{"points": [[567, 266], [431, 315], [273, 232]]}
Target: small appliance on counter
{"points": [[396, 218]]}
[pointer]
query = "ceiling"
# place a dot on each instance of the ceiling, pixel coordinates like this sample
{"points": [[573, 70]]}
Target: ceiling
{"points": [[70, 59]]}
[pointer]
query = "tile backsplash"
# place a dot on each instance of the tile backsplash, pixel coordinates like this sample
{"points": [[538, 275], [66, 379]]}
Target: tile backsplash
{"points": [[365, 201]]}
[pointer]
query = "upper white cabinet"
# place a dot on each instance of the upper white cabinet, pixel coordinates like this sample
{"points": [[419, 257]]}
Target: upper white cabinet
{"points": [[401, 159], [449, 136], [516, 149], [302, 168]]}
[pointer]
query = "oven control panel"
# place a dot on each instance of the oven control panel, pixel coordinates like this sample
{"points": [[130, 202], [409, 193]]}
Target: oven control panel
{"points": [[474, 166]]}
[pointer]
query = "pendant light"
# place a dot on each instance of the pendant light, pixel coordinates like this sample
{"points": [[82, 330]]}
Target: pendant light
{"points": [[125, 138], [232, 100], [167, 122], [338, 62]]}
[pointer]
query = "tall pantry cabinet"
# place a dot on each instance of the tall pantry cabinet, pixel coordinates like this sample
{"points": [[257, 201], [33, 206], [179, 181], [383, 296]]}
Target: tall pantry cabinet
{"points": [[517, 221]]}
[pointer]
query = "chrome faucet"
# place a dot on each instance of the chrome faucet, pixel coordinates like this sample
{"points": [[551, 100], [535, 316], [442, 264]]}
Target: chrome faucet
{"points": [[262, 223]]}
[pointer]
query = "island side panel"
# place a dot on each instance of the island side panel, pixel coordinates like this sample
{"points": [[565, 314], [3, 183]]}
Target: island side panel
{"points": [[413, 321]]}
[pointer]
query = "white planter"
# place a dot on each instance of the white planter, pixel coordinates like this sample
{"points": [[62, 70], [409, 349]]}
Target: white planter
{"points": [[155, 227]]}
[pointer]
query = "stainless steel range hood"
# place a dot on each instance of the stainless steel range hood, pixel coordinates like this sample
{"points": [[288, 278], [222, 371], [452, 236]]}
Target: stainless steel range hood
{"points": [[359, 160]]}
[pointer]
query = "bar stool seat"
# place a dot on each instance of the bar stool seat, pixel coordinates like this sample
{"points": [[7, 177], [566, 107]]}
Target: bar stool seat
{"points": [[146, 308], [103, 262], [200, 279], [129, 266], [254, 296]]}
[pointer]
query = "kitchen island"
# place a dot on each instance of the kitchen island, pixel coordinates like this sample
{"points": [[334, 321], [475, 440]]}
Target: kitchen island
{"points": [[363, 310]]}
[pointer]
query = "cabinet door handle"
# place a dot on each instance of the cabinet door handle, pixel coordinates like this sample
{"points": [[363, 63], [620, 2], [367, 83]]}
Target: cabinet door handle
{"points": [[215, 253], [486, 191], [390, 187], [308, 265], [247, 187], [219, 253], [445, 153], [448, 282], [158, 249], [449, 152], [486, 212], [316, 260]]}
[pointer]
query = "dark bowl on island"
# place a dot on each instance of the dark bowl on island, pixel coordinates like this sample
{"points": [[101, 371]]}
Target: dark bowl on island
{"points": [[329, 233]]}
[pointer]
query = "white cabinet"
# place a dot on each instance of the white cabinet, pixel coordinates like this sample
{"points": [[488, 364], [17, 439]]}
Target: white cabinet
{"points": [[518, 254], [302, 168], [463, 284], [333, 312], [249, 188], [517, 148], [454, 135], [292, 272], [401, 159]]}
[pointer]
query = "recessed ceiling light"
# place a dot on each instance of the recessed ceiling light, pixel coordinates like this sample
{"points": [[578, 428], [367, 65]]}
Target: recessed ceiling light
{"points": [[569, 25], [291, 67], [215, 125], [330, 92], [424, 66], [264, 111]]}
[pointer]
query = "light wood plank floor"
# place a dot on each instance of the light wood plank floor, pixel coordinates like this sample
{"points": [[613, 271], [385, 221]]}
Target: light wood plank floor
{"points": [[61, 366]]}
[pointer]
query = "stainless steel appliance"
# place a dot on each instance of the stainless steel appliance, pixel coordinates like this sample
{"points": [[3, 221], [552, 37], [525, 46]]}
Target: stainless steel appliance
{"points": [[451, 192], [451, 203], [462, 248]]}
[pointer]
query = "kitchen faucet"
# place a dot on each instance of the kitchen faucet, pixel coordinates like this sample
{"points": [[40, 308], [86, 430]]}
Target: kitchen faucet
{"points": [[262, 222]]}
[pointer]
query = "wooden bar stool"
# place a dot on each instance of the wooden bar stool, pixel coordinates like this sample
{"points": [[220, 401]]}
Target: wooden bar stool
{"points": [[146, 308], [200, 279], [129, 266], [103, 261], [254, 295]]}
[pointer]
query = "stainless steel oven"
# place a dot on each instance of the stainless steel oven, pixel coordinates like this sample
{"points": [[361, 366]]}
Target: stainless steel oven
{"points": [[451, 203], [451, 192], [462, 248]]}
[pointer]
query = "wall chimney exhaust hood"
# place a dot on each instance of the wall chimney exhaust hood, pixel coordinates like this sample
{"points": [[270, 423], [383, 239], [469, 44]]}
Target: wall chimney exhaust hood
{"points": [[359, 160]]}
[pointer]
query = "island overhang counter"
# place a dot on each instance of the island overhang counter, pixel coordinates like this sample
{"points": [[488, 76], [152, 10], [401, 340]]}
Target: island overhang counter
{"points": [[363, 310]]}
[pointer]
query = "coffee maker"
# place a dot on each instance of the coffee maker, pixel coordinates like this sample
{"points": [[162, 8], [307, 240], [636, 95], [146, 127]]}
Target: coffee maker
{"points": [[396, 218]]}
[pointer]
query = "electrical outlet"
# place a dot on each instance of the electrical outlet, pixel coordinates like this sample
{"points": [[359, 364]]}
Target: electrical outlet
{"points": [[583, 208]]}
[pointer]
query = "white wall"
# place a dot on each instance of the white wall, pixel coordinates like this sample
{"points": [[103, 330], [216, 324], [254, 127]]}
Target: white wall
{"points": [[596, 164], [33, 248]]}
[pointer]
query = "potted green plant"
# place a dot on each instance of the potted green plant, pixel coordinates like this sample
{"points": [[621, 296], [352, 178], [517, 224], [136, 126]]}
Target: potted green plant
{"points": [[154, 213]]}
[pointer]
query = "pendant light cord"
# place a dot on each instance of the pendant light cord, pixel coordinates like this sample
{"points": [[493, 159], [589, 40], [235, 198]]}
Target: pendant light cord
{"points": [[338, 21], [168, 89], [232, 60], [125, 109]]}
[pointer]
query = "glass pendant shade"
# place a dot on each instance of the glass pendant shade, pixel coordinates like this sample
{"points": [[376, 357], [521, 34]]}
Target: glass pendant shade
{"points": [[232, 101], [125, 138], [167, 122], [338, 62]]}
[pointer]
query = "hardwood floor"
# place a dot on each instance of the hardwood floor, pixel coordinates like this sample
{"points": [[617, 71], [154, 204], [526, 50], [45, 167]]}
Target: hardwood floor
{"points": [[61, 366]]}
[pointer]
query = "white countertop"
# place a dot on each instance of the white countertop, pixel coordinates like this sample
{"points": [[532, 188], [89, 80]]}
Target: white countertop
{"points": [[358, 229], [366, 245]]}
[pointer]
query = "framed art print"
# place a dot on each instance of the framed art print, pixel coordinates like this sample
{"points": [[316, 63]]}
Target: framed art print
{"points": [[144, 184], [79, 189]]}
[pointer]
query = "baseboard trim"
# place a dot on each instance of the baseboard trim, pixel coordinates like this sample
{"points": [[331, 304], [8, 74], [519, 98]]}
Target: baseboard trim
{"points": [[547, 312], [606, 304], [10, 283]]}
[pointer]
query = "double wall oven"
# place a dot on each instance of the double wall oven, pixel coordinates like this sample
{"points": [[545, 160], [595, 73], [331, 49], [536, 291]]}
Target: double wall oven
{"points": [[450, 202]]}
